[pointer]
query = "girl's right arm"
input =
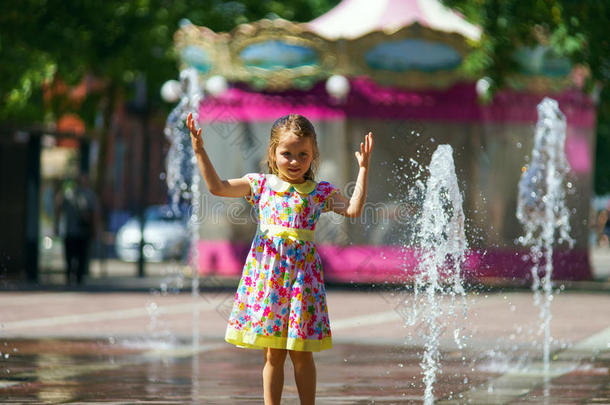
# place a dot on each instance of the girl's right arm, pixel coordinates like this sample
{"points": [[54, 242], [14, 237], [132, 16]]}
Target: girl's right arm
{"points": [[223, 188]]}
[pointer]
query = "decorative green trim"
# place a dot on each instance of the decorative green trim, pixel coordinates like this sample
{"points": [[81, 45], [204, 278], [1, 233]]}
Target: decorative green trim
{"points": [[325, 207]]}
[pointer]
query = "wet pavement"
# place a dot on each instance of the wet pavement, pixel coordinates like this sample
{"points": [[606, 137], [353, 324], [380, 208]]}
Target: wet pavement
{"points": [[121, 348]]}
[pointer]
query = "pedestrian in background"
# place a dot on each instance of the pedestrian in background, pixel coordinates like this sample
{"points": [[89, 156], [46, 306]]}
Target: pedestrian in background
{"points": [[603, 227], [76, 221]]}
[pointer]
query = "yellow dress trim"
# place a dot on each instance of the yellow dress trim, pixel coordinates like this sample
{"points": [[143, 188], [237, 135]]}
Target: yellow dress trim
{"points": [[325, 207], [280, 186], [286, 232], [251, 340]]}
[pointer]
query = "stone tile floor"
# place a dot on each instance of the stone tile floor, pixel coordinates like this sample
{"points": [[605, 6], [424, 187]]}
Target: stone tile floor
{"points": [[123, 348]]}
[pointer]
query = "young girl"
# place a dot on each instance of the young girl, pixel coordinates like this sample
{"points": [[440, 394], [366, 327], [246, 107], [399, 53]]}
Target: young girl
{"points": [[280, 304]]}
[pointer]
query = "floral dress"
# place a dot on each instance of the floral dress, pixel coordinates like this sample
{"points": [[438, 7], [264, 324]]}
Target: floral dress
{"points": [[281, 299]]}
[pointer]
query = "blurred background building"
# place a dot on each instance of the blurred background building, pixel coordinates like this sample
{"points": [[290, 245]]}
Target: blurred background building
{"points": [[395, 68], [79, 93]]}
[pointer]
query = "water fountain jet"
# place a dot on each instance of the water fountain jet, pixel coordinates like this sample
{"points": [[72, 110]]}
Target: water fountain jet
{"points": [[443, 245], [183, 178], [542, 210]]}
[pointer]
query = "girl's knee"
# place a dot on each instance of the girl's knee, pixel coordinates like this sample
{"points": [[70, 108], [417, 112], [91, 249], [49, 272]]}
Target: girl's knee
{"points": [[298, 357], [275, 356]]}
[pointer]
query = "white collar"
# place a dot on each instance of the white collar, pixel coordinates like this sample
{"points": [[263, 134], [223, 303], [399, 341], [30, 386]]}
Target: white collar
{"points": [[280, 186]]}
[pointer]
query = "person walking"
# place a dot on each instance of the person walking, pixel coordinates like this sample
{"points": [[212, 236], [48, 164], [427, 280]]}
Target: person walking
{"points": [[76, 222]]}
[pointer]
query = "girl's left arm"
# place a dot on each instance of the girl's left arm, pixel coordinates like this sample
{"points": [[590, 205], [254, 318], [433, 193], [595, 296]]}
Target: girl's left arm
{"points": [[354, 206]]}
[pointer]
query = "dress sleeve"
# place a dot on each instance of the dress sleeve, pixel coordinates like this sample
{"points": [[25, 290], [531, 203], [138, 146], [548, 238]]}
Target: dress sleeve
{"points": [[327, 189], [256, 181]]}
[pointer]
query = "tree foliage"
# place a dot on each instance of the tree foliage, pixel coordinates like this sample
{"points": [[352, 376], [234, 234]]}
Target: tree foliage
{"points": [[576, 29], [119, 41], [114, 40]]}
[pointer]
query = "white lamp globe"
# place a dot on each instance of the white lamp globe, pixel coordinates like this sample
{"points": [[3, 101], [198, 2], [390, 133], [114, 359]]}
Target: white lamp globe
{"points": [[216, 85], [482, 86], [337, 86], [171, 91]]}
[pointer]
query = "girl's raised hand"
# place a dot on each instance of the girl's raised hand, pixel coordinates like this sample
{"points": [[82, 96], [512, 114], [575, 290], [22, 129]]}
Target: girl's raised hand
{"points": [[364, 156], [196, 138]]}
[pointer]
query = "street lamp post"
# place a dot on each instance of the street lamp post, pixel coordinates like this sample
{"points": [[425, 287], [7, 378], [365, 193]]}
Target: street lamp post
{"points": [[139, 107]]}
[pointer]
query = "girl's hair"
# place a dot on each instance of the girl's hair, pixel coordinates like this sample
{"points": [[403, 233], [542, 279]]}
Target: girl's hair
{"points": [[300, 126]]}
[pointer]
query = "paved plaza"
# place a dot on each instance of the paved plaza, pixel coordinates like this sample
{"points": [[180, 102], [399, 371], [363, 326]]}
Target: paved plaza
{"points": [[159, 344]]}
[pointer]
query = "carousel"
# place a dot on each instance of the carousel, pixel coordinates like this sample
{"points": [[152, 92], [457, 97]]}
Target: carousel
{"points": [[393, 67]]}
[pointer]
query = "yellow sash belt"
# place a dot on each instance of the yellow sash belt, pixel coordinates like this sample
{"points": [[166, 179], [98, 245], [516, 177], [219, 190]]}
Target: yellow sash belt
{"points": [[286, 232]]}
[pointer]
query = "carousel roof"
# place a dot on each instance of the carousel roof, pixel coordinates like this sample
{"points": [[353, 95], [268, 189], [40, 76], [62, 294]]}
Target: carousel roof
{"points": [[414, 44], [354, 18], [279, 54]]}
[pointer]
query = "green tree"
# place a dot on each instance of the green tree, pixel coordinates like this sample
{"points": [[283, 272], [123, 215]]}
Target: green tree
{"points": [[116, 41], [113, 39], [576, 29]]}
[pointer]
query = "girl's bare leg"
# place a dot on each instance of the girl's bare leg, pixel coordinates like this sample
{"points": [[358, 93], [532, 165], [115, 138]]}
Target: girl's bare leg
{"points": [[273, 375], [304, 375]]}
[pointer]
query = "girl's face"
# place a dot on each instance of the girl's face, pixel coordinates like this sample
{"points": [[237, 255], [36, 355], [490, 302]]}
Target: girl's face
{"points": [[293, 156]]}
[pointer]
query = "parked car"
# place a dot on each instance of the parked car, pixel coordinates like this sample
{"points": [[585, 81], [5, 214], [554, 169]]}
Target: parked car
{"points": [[166, 236]]}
